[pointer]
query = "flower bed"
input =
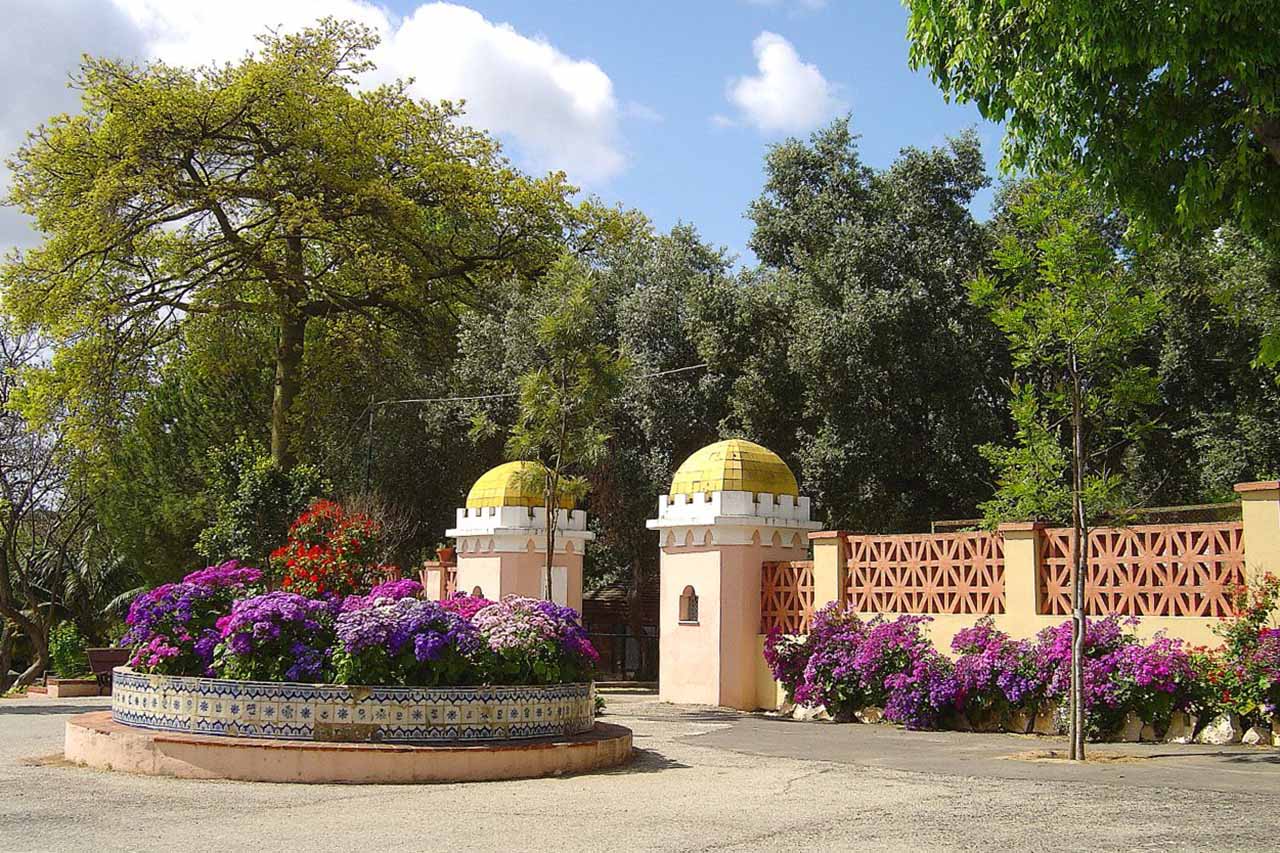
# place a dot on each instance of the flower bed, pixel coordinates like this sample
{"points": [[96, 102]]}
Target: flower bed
{"points": [[995, 682], [220, 653]]}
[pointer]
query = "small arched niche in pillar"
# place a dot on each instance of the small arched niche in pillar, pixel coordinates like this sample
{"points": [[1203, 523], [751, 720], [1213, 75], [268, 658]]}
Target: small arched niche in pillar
{"points": [[477, 592], [689, 606]]}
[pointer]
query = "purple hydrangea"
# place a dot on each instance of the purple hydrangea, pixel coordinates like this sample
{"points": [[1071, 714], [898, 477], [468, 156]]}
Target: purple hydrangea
{"points": [[405, 640], [534, 641], [172, 628], [278, 636]]}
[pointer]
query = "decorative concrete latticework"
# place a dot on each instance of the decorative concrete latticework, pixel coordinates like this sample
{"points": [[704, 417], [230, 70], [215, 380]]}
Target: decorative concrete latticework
{"points": [[938, 573], [1150, 570], [786, 597]]}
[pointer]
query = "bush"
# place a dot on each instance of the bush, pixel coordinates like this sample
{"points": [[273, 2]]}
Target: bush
{"points": [[994, 675], [847, 664], [67, 651], [279, 636], [254, 502], [532, 641], [404, 641], [329, 552], [173, 628]]}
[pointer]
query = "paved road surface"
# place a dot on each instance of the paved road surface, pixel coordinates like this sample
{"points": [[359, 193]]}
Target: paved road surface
{"points": [[704, 779]]}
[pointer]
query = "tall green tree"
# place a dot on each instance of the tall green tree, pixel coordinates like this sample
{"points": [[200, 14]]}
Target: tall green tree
{"points": [[855, 350], [568, 396], [1073, 315], [1173, 107], [269, 188], [45, 514]]}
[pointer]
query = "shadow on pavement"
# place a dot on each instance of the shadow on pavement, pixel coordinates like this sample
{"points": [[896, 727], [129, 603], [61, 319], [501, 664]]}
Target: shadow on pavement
{"points": [[645, 761], [48, 709]]}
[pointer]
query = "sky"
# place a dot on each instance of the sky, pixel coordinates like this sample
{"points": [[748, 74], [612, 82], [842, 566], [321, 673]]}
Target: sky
{"points": [[667, 107]]}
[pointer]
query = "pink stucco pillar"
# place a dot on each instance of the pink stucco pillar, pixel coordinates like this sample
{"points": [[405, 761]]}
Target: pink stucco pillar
{"points": [[713, 547]]}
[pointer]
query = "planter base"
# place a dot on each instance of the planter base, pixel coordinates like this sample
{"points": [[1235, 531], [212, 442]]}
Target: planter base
{"points": [[68, 688], [94, 740]]}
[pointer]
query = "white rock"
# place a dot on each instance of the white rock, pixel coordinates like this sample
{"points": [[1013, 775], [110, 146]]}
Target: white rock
{"points": [[870, 715], [1257, 735], [817, 712], [787, 708], [1221, 730]]}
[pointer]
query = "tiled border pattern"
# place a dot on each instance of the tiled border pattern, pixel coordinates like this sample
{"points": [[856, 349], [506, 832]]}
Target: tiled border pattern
{"points": [[336, 712]]}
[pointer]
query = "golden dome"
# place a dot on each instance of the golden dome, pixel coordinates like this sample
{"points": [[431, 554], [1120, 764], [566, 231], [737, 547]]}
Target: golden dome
{"points": [[510, 484], [734, 466]]}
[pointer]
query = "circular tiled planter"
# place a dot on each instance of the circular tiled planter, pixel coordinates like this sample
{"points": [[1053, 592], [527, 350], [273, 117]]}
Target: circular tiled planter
{"points": [[344, 713]]}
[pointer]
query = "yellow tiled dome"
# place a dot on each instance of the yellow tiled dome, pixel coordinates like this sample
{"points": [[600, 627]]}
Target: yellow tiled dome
{"points": [[509, 485], [734, 466]]}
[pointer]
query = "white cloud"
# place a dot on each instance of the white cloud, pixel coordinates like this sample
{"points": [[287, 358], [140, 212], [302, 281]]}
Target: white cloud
{"points": [[560, 111], [553, 111], [197, 33], [40, 45], [787, 94]]}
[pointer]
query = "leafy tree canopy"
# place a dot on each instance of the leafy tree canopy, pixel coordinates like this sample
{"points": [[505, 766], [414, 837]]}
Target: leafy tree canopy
{"points": [[1173, 106], [272, 187]]}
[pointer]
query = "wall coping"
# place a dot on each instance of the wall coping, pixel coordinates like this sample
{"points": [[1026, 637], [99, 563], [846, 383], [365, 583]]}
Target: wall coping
{"points": [[1020, 526], [1258, 486]]}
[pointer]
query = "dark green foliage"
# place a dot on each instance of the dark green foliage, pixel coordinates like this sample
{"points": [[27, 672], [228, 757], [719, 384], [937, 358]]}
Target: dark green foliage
{"points": [[67, 651], [254, 502], [858, 354]]}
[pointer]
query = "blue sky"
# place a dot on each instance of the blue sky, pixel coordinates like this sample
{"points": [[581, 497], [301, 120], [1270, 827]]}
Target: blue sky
{"points": [[678, 58], [664, 106]]}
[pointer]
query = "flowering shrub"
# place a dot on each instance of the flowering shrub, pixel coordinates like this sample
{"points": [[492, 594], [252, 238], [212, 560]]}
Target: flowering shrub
{"points": [[532, 641], [828, 677], [404, 641], [1243, 675], [846, 664], [786, 657], [400, 588], [279, 636], [465, 605], [172, 628], [918, 696], [994, 675], [329, 552]]}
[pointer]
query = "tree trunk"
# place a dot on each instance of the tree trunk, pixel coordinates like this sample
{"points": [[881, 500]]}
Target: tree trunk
{"points": [[550, 488], [6, 654], [289, 351], [37, 633], [1079, 564]]}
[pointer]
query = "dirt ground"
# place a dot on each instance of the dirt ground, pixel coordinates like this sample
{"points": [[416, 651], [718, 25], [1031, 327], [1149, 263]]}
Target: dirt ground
{"points": [[703, 779]]}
